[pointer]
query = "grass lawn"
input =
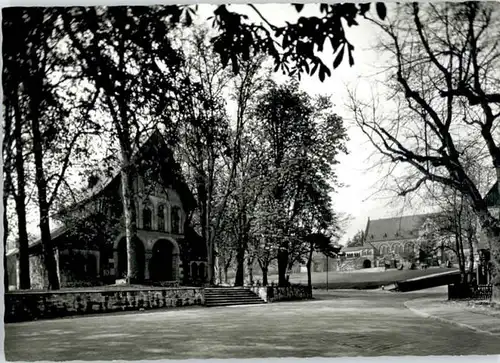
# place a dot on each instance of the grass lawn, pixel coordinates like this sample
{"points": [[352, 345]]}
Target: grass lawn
{"points": [[357, 280]]}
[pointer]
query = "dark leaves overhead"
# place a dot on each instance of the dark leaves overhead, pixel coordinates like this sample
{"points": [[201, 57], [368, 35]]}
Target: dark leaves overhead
{"points": [[381, 10], [298, 7], [293, 47]]}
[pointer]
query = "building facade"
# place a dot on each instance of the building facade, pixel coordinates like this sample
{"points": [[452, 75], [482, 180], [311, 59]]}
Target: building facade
{"points": [[393, 243], [90, 244]]}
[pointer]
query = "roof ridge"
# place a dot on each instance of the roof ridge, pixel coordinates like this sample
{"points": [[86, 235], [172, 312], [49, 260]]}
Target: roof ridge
{"points": [[408, 215]]}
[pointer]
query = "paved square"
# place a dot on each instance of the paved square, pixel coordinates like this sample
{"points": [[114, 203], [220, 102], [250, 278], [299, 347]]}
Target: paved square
{"points": [[340, 323]]}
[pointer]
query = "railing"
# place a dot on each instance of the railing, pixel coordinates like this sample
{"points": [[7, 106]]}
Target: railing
{"points": [[165, 283], [483, 292], [460, 292]]}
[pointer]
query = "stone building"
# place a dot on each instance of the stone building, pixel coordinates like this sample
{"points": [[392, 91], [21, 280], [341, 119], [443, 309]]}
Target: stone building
{"points": [[90, 244]]}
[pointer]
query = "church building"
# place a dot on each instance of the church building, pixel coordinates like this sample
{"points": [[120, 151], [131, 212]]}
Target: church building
{"points": [[388, 242], [90, 245]]}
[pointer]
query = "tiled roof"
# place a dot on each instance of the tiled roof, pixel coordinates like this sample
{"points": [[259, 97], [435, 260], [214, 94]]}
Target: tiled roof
{"points": [[404, 227], [56, 232], [355, 248]]}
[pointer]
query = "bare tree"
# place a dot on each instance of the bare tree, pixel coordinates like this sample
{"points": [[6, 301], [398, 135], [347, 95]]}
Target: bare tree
{"points": [[443, 80]]}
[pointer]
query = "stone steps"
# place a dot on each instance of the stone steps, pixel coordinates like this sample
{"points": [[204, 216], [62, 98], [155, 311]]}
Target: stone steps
{"points": [[230, 296]]}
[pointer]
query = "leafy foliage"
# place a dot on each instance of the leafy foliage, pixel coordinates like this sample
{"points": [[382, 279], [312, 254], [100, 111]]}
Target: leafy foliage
{"points": [[302, 139], [295, 46]]}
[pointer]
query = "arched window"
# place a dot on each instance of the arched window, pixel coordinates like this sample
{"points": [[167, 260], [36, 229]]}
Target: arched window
{"points": [[146, 217], [161, 218], [175, 220]]}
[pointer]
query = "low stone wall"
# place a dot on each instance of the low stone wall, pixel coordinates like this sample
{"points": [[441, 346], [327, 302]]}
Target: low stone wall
{"points": [[259, 290], [294, 292], [365, 270], [465, 292], [275, 293], [32, 305]]}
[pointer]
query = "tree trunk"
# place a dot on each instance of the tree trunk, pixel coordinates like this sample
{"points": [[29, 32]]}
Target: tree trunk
{"points": [[471, 262], [208, 221], [20, 199], [240, 266], [7, 186], [220, 264], [48, 248], [264, 266], [463, 270], [309, 263], [491, 227], [129, 213], [226, 268], [264, 275], [5, 236], [250, 269], [497, 168], [210, 263], [443, 257], [460, 251], [470, 240], [282, 266]]}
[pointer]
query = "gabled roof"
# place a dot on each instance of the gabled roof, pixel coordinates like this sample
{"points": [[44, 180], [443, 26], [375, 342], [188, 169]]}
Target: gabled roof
{"points": [[355, 248], [155, 143], [404, 227], [56, 232]]}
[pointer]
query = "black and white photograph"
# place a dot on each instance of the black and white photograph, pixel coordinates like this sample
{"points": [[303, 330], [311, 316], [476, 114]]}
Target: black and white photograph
{"points": [[251, 181]]}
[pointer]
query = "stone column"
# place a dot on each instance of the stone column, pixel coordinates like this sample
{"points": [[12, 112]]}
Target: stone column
{"points": [[175, 267], [168, 220], [18, 272], [138, 214], [97, 255], [115, 265], [154, 215], [147, 259], [181, 273], [56, 255]]}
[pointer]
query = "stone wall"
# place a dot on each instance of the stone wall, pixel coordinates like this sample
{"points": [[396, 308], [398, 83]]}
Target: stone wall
{"points": [[293, 292], [27, 305], [38, 275], [259, 290], [275, 293]]}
